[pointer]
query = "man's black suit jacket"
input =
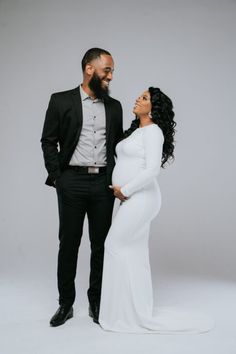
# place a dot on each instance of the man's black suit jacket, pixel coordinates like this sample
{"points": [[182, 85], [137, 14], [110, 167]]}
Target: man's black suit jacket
{"points": [[62, 127]]}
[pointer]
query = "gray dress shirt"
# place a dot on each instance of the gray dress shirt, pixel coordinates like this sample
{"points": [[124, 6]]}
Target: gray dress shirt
{"points": [[91, 148]]}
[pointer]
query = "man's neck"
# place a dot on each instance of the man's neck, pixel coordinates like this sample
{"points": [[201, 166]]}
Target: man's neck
{"points": [[86, 89]]}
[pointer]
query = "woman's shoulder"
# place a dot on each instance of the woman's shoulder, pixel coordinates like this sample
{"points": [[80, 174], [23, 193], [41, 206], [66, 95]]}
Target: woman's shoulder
{"points": [[153, 130]]}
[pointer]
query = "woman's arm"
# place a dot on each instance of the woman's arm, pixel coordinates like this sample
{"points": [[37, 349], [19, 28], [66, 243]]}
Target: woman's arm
{"points": [[153, 141]]}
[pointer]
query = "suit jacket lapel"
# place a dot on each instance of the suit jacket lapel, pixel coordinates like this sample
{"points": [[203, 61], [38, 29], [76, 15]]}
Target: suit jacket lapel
{"points": [[108, 120], [78, 110]]}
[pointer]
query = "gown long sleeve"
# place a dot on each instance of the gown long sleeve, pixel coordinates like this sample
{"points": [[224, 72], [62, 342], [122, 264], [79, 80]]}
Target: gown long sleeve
{"points": [[152, 142]]}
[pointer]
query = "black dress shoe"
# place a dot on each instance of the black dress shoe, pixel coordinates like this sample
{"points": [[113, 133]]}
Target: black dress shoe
{"points": [[63, 314], [94, 311]]}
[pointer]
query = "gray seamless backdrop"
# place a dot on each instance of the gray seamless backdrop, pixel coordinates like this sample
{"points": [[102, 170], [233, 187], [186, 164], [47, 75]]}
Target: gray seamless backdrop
{"points": [[187, 48]]}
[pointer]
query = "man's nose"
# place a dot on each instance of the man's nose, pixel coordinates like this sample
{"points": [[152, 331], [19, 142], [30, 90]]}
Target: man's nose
{"points": [[110, 75]]}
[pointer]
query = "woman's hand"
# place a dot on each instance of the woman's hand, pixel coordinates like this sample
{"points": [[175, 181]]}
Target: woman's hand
{"points": [[117, 193]]}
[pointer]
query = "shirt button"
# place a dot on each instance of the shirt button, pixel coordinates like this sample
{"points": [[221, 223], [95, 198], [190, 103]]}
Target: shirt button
{"points": [[94, 116], [94, 131], [95, 163], [95, 147]]}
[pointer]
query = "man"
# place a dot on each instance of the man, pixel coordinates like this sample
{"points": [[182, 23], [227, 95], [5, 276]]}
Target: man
{"points": [[86, 123]]}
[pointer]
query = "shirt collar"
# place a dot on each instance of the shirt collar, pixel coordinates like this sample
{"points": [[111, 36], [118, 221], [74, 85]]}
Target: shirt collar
{"points": [[85, 96]]}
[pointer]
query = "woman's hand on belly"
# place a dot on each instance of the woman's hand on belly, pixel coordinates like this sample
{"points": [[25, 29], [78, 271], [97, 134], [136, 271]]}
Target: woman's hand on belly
{"points": [[118, 194]]}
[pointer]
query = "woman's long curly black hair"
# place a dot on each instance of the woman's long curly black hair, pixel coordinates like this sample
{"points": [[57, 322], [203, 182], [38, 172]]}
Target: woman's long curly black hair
{"points": [[163, 115]]}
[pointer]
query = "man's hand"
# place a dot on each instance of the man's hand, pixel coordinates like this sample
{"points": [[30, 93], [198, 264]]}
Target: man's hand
{"points": [[117, 193]]}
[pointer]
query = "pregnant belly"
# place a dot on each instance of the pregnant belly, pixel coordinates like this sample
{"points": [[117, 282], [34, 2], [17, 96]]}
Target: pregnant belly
{"points": [[124, 172]]}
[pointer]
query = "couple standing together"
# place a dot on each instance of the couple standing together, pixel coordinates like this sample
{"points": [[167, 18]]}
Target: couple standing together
{"points": [[86, 123]]}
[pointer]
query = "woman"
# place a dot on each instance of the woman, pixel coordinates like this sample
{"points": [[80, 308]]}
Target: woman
{"points": [[127, 296]]}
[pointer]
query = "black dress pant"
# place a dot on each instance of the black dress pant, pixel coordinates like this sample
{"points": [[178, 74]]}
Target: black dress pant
{"points": [[80, 194]]}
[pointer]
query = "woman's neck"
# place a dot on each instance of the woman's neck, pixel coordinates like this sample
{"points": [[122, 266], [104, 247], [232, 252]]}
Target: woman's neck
{"points": [[144, 120]]}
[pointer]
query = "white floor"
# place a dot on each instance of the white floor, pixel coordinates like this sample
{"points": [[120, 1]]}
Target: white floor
{"points": [[27, 305]]}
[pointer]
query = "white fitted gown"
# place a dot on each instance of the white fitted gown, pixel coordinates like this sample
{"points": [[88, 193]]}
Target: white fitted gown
{"points": [[127, 295]]}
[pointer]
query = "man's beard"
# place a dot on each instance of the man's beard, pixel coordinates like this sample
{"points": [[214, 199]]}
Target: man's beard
{"points": [[95, 85]]}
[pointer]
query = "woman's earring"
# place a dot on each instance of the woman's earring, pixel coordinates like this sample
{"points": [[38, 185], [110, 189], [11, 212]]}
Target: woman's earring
{"points": [[150, 115]]}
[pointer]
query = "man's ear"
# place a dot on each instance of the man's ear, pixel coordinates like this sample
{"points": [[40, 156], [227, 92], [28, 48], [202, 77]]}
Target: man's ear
{"points": [[89, 69]]}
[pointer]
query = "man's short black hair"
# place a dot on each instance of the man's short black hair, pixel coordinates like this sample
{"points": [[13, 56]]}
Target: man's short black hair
{"points": [[92, 54]]}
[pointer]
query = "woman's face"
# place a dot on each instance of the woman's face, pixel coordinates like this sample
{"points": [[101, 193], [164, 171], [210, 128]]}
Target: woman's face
{"points": [[143, 104]]}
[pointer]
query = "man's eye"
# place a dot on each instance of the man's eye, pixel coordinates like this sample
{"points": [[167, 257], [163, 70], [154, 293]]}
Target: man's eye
{"points": [[108, 70]]}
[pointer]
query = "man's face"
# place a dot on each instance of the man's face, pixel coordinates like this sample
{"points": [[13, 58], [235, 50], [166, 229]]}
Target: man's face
{"points": [[102, 72]]}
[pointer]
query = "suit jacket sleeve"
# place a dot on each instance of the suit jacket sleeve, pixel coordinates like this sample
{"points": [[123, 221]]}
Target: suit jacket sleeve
{"points": [[50, 139]]}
